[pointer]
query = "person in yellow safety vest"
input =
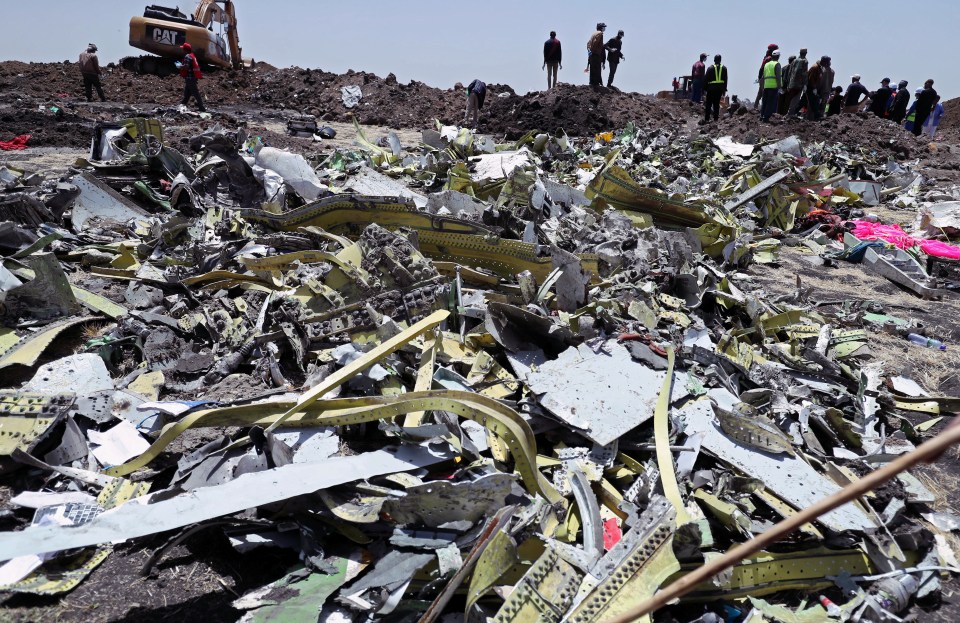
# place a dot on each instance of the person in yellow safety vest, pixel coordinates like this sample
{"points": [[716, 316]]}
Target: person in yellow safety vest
{"points": [[715, 80], [772, 83]]}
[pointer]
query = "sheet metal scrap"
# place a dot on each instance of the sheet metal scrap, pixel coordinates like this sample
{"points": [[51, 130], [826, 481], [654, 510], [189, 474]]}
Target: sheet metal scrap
{"points": [[535, 375]]}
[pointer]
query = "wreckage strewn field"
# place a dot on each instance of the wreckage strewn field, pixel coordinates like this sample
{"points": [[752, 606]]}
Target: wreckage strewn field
{"points": [[413, 371]]}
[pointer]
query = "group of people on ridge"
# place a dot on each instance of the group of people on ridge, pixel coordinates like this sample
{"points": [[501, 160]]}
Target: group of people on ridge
{"points": [[599, 55], [800, 88]]}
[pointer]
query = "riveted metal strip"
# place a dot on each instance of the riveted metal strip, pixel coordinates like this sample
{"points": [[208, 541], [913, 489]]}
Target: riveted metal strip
{"points": [[632, 572], [543, 594]]}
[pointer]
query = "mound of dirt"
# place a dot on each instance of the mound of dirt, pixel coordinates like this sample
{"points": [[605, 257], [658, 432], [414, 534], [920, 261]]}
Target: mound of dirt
{"points": [[951, 114], [579, 110], [863, 131]]}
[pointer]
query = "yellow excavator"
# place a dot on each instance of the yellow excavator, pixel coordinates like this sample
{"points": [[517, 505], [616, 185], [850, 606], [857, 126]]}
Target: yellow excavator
{"points": [[211, 30]]}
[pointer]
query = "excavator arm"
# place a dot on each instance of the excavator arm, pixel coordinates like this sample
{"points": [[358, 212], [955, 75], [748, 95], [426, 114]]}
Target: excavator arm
{"points": [[210, 11]]}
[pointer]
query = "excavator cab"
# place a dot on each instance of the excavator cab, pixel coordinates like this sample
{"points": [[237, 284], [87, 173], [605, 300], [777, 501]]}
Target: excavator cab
{"points": [[211, 30]]}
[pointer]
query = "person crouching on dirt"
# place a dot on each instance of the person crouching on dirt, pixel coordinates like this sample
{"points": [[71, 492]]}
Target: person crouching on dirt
{"points": [[190, 72], [90, 69], [476, 92], [835, 104]]}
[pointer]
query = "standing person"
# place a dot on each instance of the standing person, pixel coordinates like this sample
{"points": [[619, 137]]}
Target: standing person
{"points": [[552, 59], [783, 105], [190, 72], [90, 70], [930, 125], [925, 103], [766, 59], [715, 80], [476, 93], [851, 100], [880, 100], [596, 58], [696, 73], [911, 117], [814, 97], [772, 83], [676, 87], [826, 82], [797, 82], [898, 110], [614, 55], [835, 105]]}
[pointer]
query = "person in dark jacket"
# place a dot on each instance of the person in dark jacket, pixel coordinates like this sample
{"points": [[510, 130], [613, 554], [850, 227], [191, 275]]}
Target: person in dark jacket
{"points": [[851, 100], [190, 72], [898, 110], [783, 103], [552, 59], [476, 93], [881, 98], [925, 103], [835, 105], [715, 84], [614, 55]]}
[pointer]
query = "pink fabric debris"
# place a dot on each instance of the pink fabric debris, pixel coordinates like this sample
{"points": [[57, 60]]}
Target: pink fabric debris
{"points": [[865, 230]]}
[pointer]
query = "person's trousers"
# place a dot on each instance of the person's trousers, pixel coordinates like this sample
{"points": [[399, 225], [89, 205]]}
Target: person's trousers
{"points": [[813, 106], [596, 71], [473, 107], [920, 120], [795, 97], [613, 72], [770, 99], [712, 105], [191, 89], [552, 74], [89, 82], [697, 92]]}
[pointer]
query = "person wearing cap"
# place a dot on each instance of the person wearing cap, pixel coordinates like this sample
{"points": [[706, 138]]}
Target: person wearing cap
{"points": [[925, 102], [766, 59], [880, 99], [898, 110], [851, 99], [90, 70], [783, 103], [596, 57], [696, 74], [552, 59], [772, 83], [614, 55], [911, 118], [797, 82], [190, 72], [715, 83]]}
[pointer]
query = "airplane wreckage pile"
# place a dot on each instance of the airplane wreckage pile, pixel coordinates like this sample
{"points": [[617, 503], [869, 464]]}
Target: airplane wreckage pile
{"points": [[466, 381]]}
